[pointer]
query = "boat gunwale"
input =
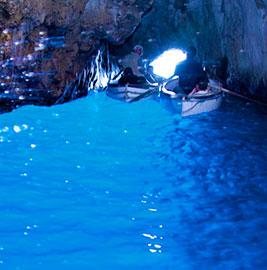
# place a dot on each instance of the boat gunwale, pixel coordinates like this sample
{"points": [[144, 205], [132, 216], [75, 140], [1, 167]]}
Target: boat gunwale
{"points": [[193, 98], [140, 86]]}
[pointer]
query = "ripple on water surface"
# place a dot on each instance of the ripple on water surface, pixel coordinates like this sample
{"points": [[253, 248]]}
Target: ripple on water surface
{"points": [[100, 184]]}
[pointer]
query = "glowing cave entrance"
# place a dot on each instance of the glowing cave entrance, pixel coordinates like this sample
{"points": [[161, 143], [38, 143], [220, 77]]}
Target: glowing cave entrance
{"points": [[165, 64]]}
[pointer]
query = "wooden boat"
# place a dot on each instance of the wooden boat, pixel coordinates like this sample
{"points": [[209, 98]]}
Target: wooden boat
{"points": [[131, 92], [203, 101]]}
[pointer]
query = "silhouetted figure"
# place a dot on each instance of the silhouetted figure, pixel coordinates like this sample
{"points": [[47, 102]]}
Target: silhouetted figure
{"points": [[151, 76], [129, 77], [190, 72]]}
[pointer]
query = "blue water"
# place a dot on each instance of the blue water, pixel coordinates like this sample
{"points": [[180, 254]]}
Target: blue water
{"points": [[101, 184]]}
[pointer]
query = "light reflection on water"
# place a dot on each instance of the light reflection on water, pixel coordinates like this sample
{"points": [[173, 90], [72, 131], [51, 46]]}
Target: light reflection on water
{"points": [[101, 184]]}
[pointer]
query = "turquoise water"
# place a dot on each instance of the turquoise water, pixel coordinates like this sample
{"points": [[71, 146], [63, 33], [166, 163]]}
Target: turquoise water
{"points": [[101, 184]]}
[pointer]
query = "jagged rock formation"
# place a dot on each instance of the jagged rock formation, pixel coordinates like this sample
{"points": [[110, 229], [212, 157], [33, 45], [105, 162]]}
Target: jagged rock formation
{"points": [[53, 41], [57, 39], [237, 30]]}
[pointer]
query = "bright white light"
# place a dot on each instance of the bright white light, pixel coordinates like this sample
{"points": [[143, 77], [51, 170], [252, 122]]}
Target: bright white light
{"points": [[165, 64], [17, 129], [149, 235]]}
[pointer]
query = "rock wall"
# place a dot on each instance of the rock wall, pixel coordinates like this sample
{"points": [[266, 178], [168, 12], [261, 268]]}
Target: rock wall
{"points": [[57, 39], [237, 30]]}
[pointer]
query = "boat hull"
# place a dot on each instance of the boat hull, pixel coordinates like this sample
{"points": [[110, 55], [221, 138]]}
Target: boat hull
{"points": [[201, 102], [197, 106], [129, 93]]}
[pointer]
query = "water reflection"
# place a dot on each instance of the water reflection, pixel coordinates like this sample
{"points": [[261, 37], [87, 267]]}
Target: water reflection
{"points": [[88, 178], [215, 189]]}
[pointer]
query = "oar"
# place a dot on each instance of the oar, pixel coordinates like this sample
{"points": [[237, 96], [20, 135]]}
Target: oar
{"points": [[236, 94], [142, 95], [116, 76]]}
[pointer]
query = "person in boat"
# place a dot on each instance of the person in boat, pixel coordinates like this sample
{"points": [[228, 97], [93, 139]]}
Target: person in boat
{"points": [[129, 77], [190, 73], [151, 77], [134, 61], [201, 84]]}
